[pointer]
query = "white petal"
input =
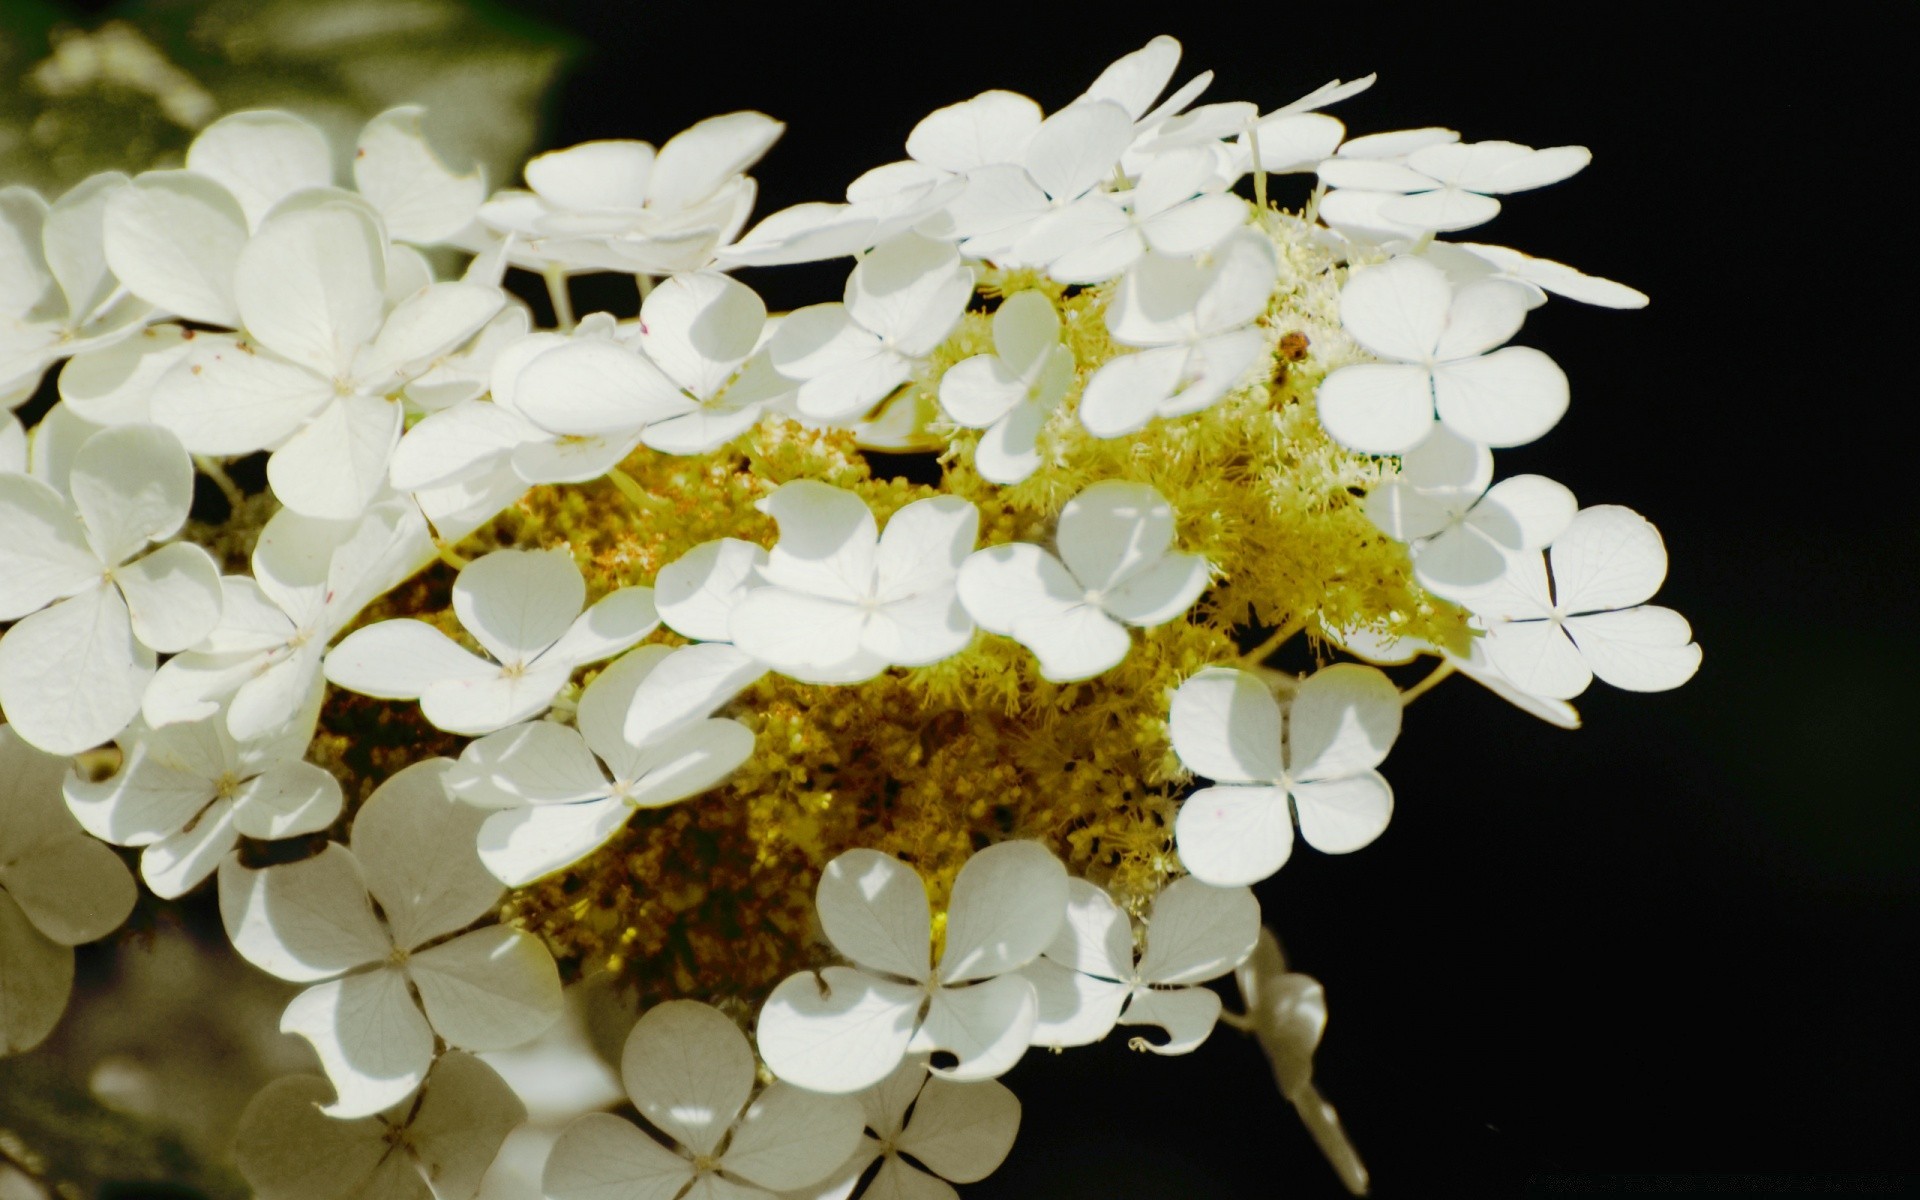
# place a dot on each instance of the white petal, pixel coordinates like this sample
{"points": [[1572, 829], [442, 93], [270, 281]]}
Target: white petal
{"points": [[492, 989], [36, 975], [420, 198], [303, 921], [1004, 587], [516, 603], [685, 685], [700, 327], [962, 1131], [986, 1026], [1074, 1009], [1342, 721], [697, 161], [1609, 557], [993, 127], [262, 158], [45, 555], [692, 760], [175, 865], [1342, 815], [805, 637], [1645, 649], [1113, 529], [286, 799], [1199, 932], [873, 908], [132, 485], [1008, 902], [1187, 1014], [224, 396], [1236, 284], [612, 624], [1483, 315], [466, 1112], [372, 1040], [310, 285], [790, 1138], [456, 442], [72, 238], [71, 676], [1397, 309], [427, 325], [1077, 147], [1225, 725], [174, 238], [839, 1031], [697, 591], [1126, 392], [596, 387], [980, 390], [1008, 452], [898, 1181], [1161, 592], [911, 291], [537, 763], [71, 887], [1538, 657], [922, 547], [1558, 278], [520, 845], [288, 1149], [1228, 836], [601, 1157], [1095, 936], [1507, 398], [689, 1071], [1378, 408], [828, 541], [337, 465], [400, 659], [173, 596], [1525, 512], [593, 175], [113, 385], [415, 844], [1443, 210]]}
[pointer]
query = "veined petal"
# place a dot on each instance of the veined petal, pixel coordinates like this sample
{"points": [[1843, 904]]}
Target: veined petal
{"points": [[700, 327], [910, 291], [262, 158], [1483, 315], [685, 685], [426, 325], [1074, 1009], [492, 989], [689, 1071], [873, 908], [71, 676], [1507, 398], [600, 1156], [1397, 309], [1342, 721], [993, 127], [591, 387], [1233, 835], [1379, 408], [373, 1042], [1127, 391], [173, 596], [790, 1138], [132, 485], [829, 541], [697, 591], [980, 390], [517, 603], [838, 1032], [922, 547], [539, 762], [1225, 725], [519, 845], [287, 798], [1077, 147], [288, 1149], [1538, 657], [310, 285], [1161, 592], [1008, 903], [224, 396], [415, 844], [1112, 529], [962, 1131], [987, 1026], [1645, 649], [1609, 557], [1341, 815], [45, 555], [337, 465], [400, 659], [1187, 1014], [174, 239], [1199, 932], [614, 623], [304, 921]]}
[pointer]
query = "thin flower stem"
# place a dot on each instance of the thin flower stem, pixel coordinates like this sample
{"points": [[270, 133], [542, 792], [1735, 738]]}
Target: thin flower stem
{"points": [[211, 468], [449, 555], [645, 284], [1426, 685], [562, 299], [631, 489], [1259, 653], [1259, 174], [1324, 1124]]}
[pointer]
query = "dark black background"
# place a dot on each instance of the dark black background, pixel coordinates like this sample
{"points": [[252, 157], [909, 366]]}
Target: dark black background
{"points": [[1678, 940]]}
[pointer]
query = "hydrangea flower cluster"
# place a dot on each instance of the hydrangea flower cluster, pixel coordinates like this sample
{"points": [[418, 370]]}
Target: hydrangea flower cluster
{"points": [[601, 649]]}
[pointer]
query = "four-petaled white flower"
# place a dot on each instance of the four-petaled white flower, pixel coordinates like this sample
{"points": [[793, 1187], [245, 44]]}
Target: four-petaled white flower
{"points": [[901, 302], [644, 721], [92, 614], [1468, 262], [1448, 184], [957, 1132], [411, 852], [1439, 344], [310, 579], [847, 1028], [842, 601], [1192, 319], [1011, 392], [1551, 636], [1461, 529], [58, 888], [523, 607], [1088, 980], [1177, 208], [57, 296], [1068, 155], [1115, 538], [1226, 726], [1386, 650], [327, 353], [690, 1072], [189, 792], [439, 1143]]}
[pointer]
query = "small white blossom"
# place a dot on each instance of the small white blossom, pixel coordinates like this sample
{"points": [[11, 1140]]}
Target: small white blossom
{"points": [[1177, 209], [1387, 651], [314, 921], [645, 739], [1439, 346], [1116, 539], [92, 610], [1469, 262], [1445, 184], [1088, 980], [847, 1028], [58, 888], [1068, 155], [841, 601], [441, 1145], [690, 1072], [1011, 392], [1192, 320], [1226, 726], [1551, 636], [524, 608], [189, 792], [957, 1132]]}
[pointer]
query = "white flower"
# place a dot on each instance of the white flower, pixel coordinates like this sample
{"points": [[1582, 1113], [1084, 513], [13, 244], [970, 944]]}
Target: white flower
{"points": [[1088, 980], [1177, 209], [58, 888], [901, 302], [1447, 184], [57, 296], [1011, 392], [1070, 154], [92, 614], [1192, 318], [288, 1149], [310, 579], [1226, 726], [327, 354], [1551, 637], [1468, 262], [958, 1132], [1461, 529], [523, 607], [696, 592], [842, 602], [644, 721], [418, 196], [620, 206], [1437, 343], [1382, 650], [847, 1028], [189, 792], [1115, 537], [690, 1072], [314, 922]]}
